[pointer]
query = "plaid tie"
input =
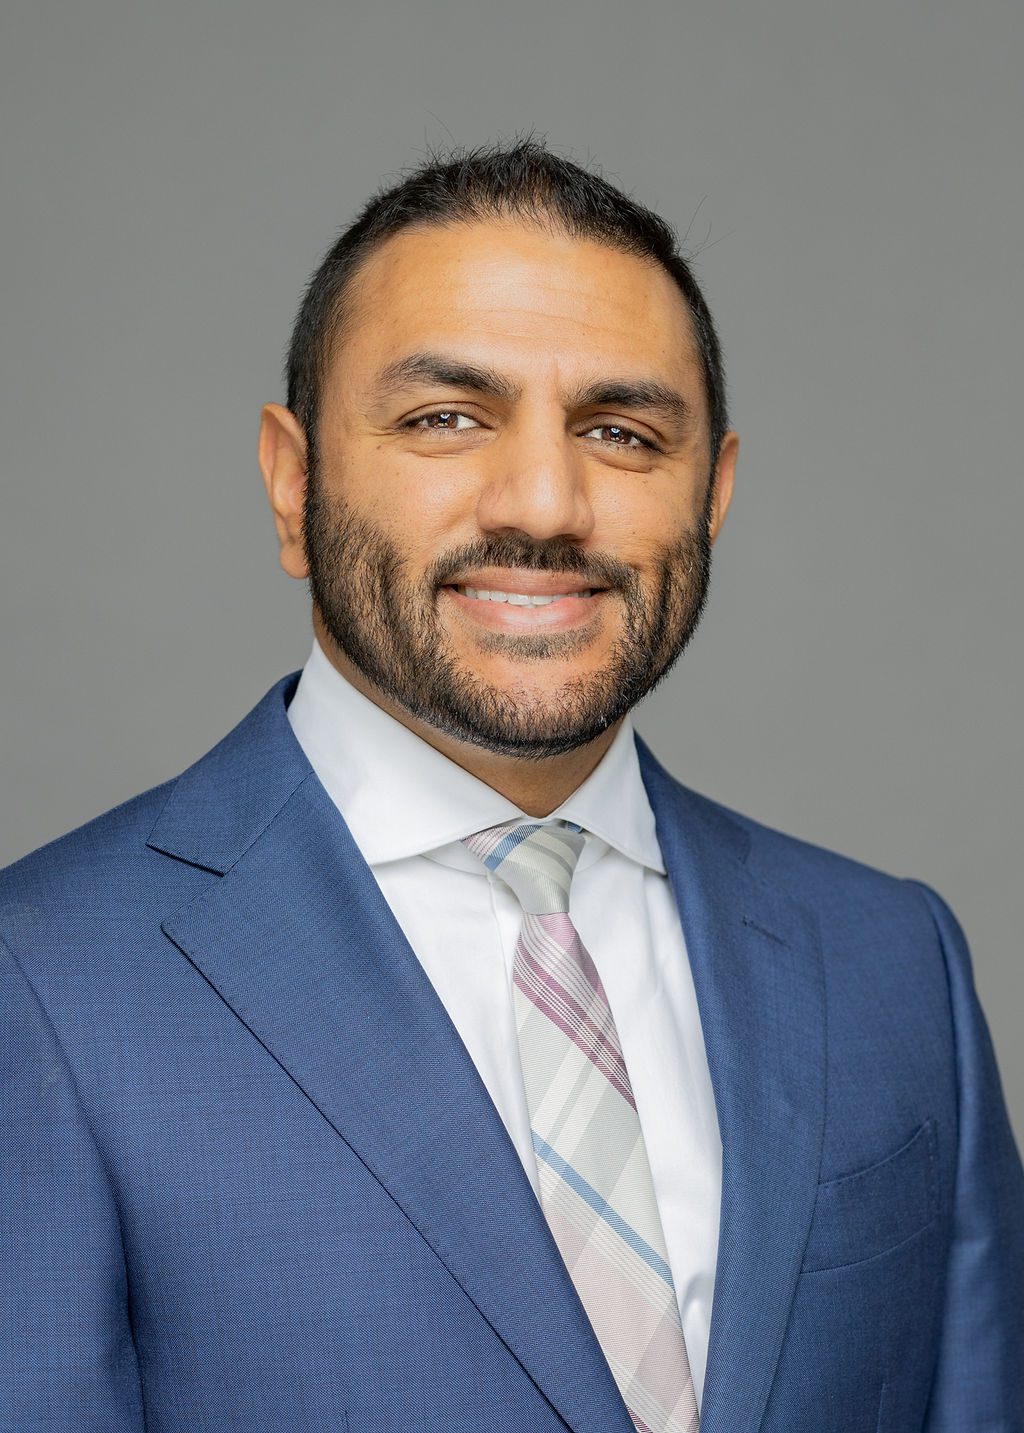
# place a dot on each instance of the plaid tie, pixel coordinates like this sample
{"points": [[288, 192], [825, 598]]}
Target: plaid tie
{"points": [[595, 1182]]}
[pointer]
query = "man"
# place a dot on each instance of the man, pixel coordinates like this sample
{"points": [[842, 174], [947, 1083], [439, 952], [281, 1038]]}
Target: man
{"points": [[425, 1057]]}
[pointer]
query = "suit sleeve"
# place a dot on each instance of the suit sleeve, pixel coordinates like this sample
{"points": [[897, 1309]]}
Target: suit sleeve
{"points": [[67, 1360], [979, 1376]]}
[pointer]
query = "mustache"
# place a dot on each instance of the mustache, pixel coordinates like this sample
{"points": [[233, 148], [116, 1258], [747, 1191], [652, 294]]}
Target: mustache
{"points": [[513, 549]]}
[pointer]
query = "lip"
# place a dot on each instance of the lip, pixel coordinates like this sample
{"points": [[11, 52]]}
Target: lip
{"points": [[522, 579], [568, 614]]}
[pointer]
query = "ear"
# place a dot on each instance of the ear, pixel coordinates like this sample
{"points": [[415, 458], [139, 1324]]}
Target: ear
{"points": [[725, 475], [282, 454]]}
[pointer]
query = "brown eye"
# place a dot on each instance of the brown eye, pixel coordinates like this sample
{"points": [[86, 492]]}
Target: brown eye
{"points": [[443, 420], [618, 436]]}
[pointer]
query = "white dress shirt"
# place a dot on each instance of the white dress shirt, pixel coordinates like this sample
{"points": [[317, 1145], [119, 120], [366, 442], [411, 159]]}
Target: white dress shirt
{"points": [[407, 807]]}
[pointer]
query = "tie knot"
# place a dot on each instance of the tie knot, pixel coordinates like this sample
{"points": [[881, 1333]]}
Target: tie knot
{"points": [[535, 860]]}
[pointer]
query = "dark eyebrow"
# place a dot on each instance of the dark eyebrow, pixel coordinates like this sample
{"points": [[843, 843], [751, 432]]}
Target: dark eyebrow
{"points": [[644, 395], [448, 372]]}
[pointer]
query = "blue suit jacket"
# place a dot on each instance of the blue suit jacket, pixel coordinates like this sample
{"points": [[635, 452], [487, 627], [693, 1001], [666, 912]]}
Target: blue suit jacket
{"points": [[253, 1181]]}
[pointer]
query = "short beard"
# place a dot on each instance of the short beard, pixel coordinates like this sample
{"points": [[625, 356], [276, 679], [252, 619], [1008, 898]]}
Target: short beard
{"points": [[386, 624]]}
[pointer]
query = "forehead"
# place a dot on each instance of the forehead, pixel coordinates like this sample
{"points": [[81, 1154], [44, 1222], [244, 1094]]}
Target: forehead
{"points": [[519, 296]]}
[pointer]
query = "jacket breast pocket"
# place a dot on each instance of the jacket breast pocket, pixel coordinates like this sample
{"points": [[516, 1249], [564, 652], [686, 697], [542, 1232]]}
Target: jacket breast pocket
{"points": [[877, 1208]]}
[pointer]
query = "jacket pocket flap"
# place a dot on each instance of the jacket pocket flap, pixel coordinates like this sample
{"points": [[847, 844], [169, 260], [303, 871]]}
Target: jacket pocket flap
{"points": [[871, 1210]]}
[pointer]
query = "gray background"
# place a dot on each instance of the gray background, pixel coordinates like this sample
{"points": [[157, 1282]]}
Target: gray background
{"points": [[851, 176]]}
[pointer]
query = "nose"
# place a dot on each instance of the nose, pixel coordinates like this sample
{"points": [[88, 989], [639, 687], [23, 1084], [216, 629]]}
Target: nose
{"points": [[536, 484]]}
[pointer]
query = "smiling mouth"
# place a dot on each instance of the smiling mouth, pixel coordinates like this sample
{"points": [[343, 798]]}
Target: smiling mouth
{"points": [[527, 602], [523, 599]]}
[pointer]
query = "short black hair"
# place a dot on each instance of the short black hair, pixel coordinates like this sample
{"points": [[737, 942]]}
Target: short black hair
{"points": [[522, 180]]}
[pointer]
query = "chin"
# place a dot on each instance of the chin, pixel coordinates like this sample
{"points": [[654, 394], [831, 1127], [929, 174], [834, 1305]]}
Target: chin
{"points": [[538, 684]]}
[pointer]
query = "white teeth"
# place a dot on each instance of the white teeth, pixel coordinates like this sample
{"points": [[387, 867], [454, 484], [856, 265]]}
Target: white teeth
{"points": [[518, 599]]}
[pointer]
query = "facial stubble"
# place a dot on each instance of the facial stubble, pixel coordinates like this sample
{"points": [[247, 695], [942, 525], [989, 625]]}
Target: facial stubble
{"points": [[386, 622]]}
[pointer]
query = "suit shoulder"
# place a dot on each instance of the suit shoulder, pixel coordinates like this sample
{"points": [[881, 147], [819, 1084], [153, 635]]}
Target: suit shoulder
{"points": [[107, 861], [847, 894], [774, 852], [84, 860], [808, 870]]}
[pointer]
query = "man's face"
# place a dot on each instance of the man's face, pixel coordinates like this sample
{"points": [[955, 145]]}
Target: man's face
{"points": [[508, 528]]}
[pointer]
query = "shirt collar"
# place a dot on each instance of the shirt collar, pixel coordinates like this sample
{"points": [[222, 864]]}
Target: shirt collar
{"points": [[401, 797]]}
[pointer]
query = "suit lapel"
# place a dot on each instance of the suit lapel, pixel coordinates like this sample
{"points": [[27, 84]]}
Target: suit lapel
{"points": [[300, 944], [760, 989], [298, 941]]}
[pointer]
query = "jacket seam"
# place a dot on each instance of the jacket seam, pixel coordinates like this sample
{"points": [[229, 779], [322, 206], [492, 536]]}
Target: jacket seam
{"points": [[924, 894], [87, 1123], [927, 897]]}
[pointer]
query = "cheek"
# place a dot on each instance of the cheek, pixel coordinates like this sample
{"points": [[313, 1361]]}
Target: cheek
{"points": [[644, 515], [416, 504]]}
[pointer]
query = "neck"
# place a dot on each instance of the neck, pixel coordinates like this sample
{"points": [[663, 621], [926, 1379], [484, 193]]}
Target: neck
{"points": [[536, 785]]}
